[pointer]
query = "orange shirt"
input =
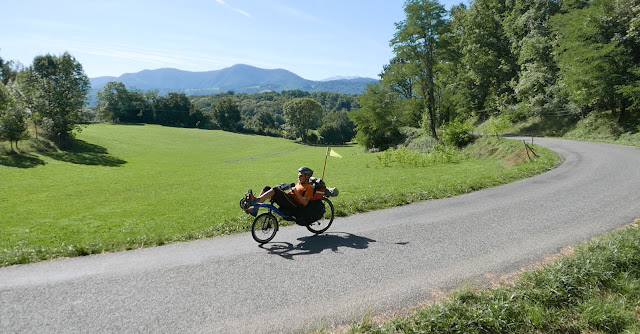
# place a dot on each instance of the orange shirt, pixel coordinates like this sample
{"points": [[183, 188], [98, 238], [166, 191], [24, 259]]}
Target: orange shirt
{"points": [[305, 189]]}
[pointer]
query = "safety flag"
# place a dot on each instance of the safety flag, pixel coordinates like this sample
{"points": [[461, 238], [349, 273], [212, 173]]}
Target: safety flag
{"points": [[334, 153]]}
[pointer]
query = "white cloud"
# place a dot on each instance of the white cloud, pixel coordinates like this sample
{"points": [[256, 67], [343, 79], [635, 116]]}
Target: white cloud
{"points": [[232, 8]]}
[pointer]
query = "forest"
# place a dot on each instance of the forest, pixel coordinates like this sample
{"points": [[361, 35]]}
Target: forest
{"points": [[506, 61]]}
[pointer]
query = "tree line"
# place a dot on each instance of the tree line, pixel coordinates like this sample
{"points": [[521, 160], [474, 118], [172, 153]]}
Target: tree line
{"points": [[318, 117], [510, 59]]}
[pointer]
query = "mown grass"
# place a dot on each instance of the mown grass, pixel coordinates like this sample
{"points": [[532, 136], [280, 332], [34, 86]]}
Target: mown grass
{"points": [[123, 187], [594, 290]]}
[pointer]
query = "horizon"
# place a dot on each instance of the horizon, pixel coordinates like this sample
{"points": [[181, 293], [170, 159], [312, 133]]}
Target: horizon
{"points": [[337, 77], [314, 41]]}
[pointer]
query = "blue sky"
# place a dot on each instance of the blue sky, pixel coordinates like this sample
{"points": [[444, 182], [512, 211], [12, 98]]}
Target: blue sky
{"points": [[314, 39]]}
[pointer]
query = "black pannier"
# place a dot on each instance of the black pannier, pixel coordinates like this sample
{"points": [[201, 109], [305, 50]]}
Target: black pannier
{"points": [[308, 214]]}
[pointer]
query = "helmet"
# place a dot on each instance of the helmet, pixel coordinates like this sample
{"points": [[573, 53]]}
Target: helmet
{"points": [[305, 170]]}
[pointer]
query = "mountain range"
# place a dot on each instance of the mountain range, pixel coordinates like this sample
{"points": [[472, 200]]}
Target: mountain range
{"points": [[238, 78]]}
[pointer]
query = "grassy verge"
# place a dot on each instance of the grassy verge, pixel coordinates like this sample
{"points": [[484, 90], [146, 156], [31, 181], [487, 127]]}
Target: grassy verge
{"points": [[598, 127], [594, 290], [123, 187]]}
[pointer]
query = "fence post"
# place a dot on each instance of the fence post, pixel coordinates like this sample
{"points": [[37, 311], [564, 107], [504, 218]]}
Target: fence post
{"points": [[526, 148]]}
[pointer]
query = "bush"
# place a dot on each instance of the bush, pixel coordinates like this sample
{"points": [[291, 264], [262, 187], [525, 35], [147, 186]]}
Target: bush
{"points": [[423, 144], [457, 133], [596, 126]]}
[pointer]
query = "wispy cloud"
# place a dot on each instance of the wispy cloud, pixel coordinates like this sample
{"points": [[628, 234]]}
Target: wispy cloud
{"points": [[167, 58], [233, 8], [152, 57], [49, 25], [299, 14]]}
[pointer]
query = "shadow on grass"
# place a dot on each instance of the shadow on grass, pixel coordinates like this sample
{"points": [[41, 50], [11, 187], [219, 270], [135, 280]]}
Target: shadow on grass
{"points": [[83, 153], [21, 160], [548, 126], [316, 244]]}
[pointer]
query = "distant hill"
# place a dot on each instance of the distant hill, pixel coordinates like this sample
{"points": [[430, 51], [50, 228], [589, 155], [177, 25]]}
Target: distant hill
{"points": [[238, 78]]}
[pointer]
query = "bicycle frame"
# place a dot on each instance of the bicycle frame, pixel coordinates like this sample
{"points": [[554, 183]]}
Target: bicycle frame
{"points": [[274, 209]]}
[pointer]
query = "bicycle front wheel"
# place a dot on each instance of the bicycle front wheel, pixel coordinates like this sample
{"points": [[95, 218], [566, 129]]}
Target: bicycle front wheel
{"points": [[319, 226], [264, 228]]}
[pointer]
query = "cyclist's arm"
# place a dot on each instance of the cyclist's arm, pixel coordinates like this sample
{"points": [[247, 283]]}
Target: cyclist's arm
{"points": [[304, 200]]}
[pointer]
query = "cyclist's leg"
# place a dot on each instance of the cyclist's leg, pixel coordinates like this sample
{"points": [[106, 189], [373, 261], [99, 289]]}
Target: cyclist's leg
{"points": [[283, 200]]}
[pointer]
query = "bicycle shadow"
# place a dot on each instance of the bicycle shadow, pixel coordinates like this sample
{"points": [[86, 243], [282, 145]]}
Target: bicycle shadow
{"points": [[316, 244]]}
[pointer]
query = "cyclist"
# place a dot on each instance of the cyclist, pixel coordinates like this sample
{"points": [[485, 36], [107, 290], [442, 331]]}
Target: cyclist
{"points": [[300, 194]]}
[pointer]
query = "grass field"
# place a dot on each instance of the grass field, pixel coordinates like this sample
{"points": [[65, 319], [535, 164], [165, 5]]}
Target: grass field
{"points": [[130, 186]]}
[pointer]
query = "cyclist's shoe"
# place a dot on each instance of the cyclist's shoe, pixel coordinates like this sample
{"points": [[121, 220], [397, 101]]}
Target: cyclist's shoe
{"points": [[248, 200], [251, 198]]}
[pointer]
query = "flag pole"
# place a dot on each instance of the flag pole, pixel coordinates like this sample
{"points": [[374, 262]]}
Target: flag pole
{"points": [[325, 161]]}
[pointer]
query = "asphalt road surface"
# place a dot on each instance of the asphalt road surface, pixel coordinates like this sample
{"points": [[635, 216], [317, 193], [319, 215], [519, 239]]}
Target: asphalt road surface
{"points": [[367, 264]]}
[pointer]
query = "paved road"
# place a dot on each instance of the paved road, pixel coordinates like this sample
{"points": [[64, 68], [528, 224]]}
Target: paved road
{"points": [[369, 263]]}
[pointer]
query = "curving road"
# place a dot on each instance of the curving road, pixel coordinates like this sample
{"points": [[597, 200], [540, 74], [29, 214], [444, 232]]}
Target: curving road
{"points": [[371, 263]]}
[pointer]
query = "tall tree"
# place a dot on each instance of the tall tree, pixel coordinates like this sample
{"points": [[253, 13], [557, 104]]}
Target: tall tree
{"points": [[302, 115], [527, 26], [13, 123], [336, 128], [489, 65], [61, 91], [376, 122], [176, 109], [227, 114], [117, 104], [9, 70], [416, 43], [597, 54], [399, 77]]}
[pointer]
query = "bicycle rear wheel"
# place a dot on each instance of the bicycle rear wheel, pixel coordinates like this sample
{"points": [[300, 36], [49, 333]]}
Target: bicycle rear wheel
{"points": [[323, 224], [264, 228]]}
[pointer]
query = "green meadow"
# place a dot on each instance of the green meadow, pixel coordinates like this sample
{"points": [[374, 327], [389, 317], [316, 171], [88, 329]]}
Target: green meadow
{"points": [[130, 186]]}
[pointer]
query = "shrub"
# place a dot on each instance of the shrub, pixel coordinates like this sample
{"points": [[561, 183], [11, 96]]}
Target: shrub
{"points": [[457, 133]]}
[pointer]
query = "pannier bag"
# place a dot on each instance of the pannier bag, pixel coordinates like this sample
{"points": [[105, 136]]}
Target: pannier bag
{"points": [[331, 192], [308, 214], [320, 189]]}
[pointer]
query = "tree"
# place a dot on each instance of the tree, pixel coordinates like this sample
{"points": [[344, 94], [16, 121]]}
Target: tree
{"points": [[527, 26], [376, 122], [9, 70], [227, 114], [416, 44], [485, 51], [302, 115], [117, 104], [177, 110], [597, 55], [13, 123], [336, 128], [263, 121], [28, 89], [61, 89], [397, 74]]}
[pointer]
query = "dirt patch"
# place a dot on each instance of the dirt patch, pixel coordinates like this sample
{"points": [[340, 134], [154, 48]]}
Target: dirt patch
{"points": [[516, 158]]}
